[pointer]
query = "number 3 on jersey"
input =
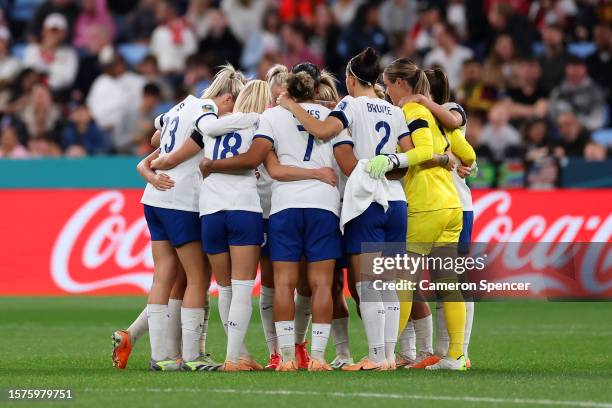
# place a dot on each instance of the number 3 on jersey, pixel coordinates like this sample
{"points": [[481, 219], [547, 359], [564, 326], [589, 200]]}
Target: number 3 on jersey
{"points": [[387, 133], [173, 126], [231, 143]]}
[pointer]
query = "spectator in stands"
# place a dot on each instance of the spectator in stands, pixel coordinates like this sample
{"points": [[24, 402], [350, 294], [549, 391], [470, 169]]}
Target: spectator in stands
{"points": [[498, 134], [149, 70], [600, 62], [448, 54], [456, 15], [398, 16], [143, 119], [555, 57], [142, 22], [595, 152], [403, 48], [220, 45], [9, 65], [43, 147], [97, 38], [59, 62], [474, 93], [422, 32], [295, 48], [19, 93], [325, 39], [115, 95], [172, 41], [67, 8], [94, 15], [364, 32], [498, 66], [525, 97], [541, 165], [244, 17], [266, 41], [580, 95], [198, 17], [199, 74], [345, 11], [40, 115], [503, 18], [81, 130], [573, 137], [10, 148]]}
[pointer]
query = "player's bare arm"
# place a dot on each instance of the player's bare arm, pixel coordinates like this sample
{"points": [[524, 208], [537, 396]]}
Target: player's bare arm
{"points": [[323, 130], [281, 172], [186, 151], [247, 161], [160, 181]]}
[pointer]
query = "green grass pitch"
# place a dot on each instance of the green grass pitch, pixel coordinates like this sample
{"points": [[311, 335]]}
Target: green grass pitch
{"points": [[523, 353]]}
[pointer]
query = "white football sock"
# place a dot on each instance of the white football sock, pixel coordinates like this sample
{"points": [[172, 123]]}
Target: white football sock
{"points": [[286, 340], [339, 331], [174, 328], [373, 316], [139, 326], [266, 301], [469, 320], [442, 339], [239, 317], [303, 315], [423, 329], [158, 330], [407, 341], [225, 301], [204, 330], [320, 335], [192, 322], [392, 315]]}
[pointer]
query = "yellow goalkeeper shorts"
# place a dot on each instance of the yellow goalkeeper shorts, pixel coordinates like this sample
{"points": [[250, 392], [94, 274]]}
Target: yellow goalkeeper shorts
{"points": [[433, 228]]}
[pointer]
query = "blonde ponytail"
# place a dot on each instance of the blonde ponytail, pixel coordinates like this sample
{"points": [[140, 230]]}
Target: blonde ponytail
{"points": [[227, 81], [255, 97]]}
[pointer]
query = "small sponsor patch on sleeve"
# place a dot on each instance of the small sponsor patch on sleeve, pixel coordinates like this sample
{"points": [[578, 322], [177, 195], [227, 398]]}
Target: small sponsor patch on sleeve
{"points": [[342, 105], [208, 108]]}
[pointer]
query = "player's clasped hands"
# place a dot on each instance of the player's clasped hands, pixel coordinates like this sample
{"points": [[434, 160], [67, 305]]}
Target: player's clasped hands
{"points": [[327, 175], [205, 166], [161, 181]]}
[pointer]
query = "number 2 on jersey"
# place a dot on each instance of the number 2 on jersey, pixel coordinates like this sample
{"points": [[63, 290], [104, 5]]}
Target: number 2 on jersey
{"points": [[174, 126], [387, 129], [231, 143]]}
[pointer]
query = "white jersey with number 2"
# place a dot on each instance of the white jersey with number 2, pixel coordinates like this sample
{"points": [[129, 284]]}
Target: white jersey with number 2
{"points": [[376, 128]]}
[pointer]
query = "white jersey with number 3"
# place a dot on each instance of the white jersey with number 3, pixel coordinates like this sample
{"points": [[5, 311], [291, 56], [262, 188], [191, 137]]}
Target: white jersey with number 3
{"points": [[176, 127], [295, 147], [376, 127]]}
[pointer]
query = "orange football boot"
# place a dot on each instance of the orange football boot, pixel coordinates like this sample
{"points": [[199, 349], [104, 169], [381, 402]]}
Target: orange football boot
{"points": [[273, 362], [251, 363], [233, 366], [301, 355], [427, 361], [287, 366], [316, 365], [122, 348], [367, 365]]}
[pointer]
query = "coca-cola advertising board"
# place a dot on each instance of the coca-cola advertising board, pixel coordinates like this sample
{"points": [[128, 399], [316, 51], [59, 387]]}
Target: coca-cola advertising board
{"points": [[61, 242]]}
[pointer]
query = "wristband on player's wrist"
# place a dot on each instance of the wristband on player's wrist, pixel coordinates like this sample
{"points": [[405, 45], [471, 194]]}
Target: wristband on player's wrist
{"points": [[400, 161], [444, 159]]}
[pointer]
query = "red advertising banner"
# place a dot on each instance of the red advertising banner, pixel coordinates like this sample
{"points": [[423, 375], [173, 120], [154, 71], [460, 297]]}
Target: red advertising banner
{"points": [[58, 242]]}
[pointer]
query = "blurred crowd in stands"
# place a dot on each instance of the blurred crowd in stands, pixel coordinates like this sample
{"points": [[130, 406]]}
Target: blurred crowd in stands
{"points": [[87, 77]]}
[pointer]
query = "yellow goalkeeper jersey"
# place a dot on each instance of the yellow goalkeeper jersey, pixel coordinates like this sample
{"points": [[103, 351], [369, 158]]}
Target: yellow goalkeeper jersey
{"points": [[427, 189]]}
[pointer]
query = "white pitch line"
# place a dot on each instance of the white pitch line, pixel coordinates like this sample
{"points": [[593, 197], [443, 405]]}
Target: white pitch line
{"points": [[491, 400]]}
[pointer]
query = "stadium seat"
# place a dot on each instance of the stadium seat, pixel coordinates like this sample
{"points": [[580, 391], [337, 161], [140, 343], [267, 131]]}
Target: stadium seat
{"points": [[18, 50], [581, 49], [133, 53], [603, 136], [23, 10], [537, 48]]}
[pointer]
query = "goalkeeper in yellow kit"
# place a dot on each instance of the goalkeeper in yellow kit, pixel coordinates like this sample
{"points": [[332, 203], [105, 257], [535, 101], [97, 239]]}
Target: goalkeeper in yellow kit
{"points": [[434, 209]]}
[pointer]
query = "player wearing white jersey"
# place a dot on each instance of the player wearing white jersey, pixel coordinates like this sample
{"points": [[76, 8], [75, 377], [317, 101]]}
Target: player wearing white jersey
{"points": [[376, 127], [179, 159], [304, 216]]}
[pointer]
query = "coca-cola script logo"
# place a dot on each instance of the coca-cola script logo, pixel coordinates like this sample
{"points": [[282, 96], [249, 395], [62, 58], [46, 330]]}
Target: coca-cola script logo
{"points": [[98, 248]]}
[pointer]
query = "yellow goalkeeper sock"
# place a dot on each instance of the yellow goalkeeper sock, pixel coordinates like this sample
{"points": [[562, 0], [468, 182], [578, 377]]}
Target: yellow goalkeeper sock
{"points": [[405, 299], [454, 314]]}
